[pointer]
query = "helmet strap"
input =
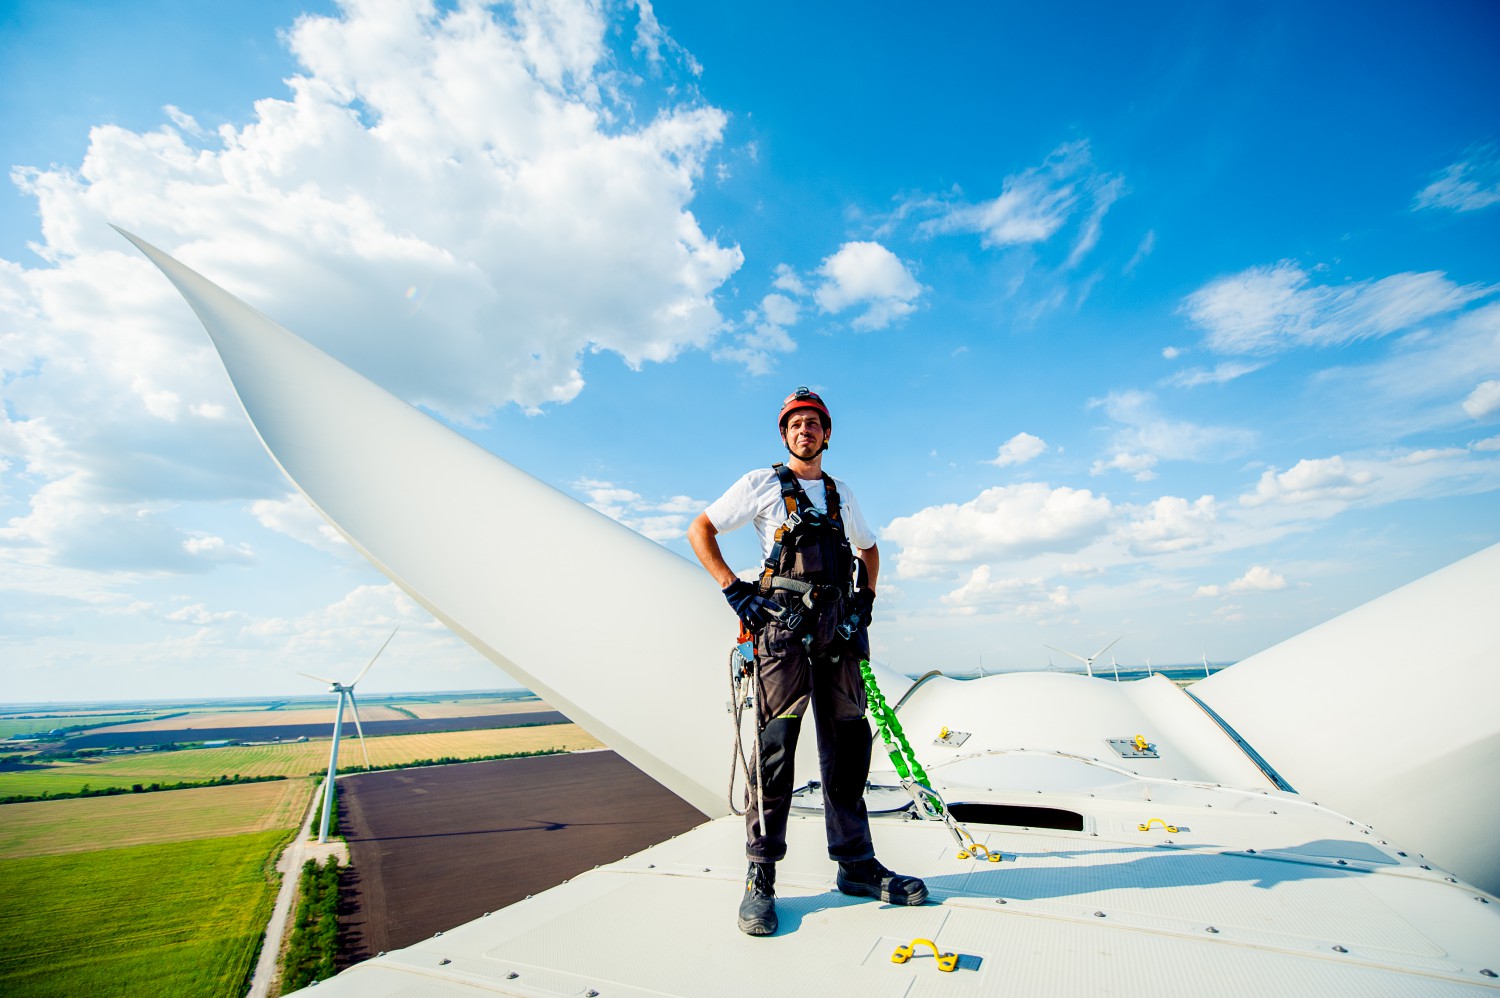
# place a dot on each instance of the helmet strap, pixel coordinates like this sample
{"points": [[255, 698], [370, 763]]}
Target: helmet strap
{"points": [[827, 439]]}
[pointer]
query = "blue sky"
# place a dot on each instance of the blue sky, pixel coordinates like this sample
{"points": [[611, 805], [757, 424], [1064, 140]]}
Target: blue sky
{"points": [[1178, 324]]}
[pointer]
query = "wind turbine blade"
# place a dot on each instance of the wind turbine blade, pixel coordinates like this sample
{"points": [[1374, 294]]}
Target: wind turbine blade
{"points": [[1101, 651], [372, 660], [1067, 653], [419, 501], [320, 679], [1444, 710], [357, 726]]}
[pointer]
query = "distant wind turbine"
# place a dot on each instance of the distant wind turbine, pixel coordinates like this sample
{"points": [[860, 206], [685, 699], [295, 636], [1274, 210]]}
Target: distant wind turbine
{"points": [[1115, 664], [1088, 663], [1205, 665], [344, 692]]}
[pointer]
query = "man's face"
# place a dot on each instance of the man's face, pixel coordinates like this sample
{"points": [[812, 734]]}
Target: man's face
{"points": [[805, 434]]}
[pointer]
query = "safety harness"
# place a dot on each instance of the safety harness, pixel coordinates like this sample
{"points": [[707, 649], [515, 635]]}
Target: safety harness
{"points": [[806, 528], [930, 804]]}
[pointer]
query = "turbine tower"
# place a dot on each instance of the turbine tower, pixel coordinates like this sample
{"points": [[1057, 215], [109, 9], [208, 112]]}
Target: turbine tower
{"points": [[343, 691], [1088, 663]]}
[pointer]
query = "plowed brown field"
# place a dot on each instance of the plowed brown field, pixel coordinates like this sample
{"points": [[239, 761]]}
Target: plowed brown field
{"points": [[434, 848]]}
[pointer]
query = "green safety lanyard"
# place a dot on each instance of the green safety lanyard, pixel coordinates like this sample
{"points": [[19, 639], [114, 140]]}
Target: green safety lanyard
{"points": [[913, 776], [896, 744]]}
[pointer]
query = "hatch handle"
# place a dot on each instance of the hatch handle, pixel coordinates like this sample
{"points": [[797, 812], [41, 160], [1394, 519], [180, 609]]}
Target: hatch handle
{"points": [[945, 961], [977, 850]]}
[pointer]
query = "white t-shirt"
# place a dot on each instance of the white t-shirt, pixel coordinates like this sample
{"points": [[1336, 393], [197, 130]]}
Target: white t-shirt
{"points": [[756, 498]]}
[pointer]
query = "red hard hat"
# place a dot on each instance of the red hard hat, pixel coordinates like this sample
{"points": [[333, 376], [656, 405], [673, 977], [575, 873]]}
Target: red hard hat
{"points": [[803, 398]]}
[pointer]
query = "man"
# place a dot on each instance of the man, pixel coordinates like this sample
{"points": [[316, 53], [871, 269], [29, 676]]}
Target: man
{"points": [[809, 611]]}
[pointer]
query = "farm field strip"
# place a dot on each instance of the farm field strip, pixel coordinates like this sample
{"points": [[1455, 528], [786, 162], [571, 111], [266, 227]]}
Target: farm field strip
{"points": [[286, 759], [261, 718], [40, 726], [56, 827], [181, 918], [477, 709]]}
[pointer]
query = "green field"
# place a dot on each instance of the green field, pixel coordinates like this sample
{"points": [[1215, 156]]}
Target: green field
{"points": [[65, 826], [286, 759], [41, 725], [181, 919]]}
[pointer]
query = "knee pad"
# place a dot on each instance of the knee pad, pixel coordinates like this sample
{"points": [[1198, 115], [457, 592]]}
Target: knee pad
{"points": [[778, 750]]}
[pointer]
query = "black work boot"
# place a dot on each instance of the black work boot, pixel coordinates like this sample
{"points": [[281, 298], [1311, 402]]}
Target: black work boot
{"points": [[758, 906], [867, 878]]}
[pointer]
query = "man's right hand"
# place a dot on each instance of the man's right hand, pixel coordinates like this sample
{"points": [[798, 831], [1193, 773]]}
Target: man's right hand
{"points": [[753, 609]]}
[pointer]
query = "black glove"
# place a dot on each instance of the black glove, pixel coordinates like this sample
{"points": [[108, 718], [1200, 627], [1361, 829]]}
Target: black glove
{"points": [[863, 601], [753, 609]]}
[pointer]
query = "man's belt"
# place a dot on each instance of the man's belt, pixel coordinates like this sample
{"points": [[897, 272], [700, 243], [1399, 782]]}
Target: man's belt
{"points": [[812, 593]]}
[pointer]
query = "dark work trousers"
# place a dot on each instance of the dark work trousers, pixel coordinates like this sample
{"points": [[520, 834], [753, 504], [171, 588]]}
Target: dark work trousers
{"points": [[825, 676]]}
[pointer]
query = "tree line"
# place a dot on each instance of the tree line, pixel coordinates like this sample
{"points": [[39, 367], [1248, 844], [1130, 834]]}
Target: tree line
{"points": [[136, 788]]}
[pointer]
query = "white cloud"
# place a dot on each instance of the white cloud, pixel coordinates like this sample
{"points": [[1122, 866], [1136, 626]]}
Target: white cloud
{"points": [[216, 549], [368, 176], [1171, 524], [1489, 443], [1003, 522], [1035, 204], [1430, 454], [982, 593], [788, 280], [1421, 383], [70, 525], [1320, 488], [1468, 185], [869, 275], [184, 121], [1171, 353], [295, 517], [660, 520], [1138, 465], [1019, 449], [1484, 400], [1270, 309], [1147, 244], [200, 615], [335, 639], [763, 335], [1145, 436], [779, 309], [1220, 374], [461, 203], [1257, 579], [1103, 194], [1311, 481]]}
